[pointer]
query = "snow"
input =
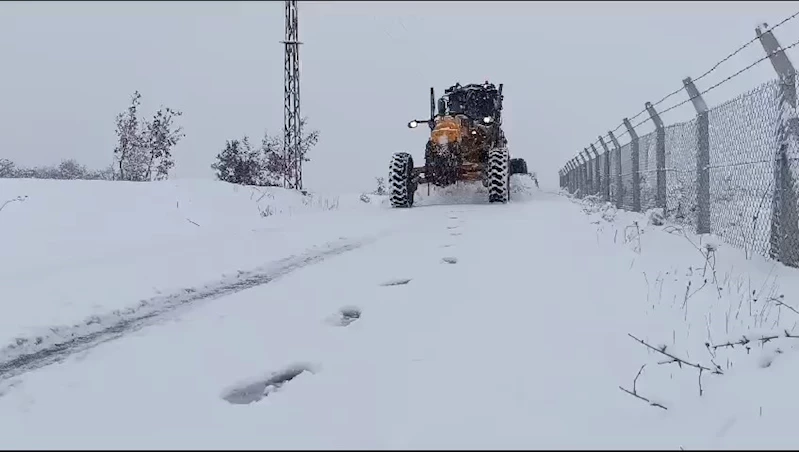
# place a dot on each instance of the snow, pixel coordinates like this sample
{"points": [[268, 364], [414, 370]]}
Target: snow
{"points": [[78, 249], [454, 324]]}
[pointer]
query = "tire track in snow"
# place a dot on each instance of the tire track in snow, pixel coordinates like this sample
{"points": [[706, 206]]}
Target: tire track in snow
{"points": [[28, 354]]}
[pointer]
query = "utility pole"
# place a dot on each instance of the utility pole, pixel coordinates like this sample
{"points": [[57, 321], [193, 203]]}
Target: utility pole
{"points": [[291, 101]]}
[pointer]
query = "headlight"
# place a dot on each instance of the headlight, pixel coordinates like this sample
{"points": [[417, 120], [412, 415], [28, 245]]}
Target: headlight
{"points": [[413, 124], [488, 120]]}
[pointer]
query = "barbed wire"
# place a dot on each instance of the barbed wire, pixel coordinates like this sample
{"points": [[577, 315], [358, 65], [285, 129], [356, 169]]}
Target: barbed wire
{"points": [[781, 49], [705, 74]]}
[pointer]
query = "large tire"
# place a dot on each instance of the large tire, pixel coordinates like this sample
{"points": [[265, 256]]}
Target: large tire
{"points": [[518, 166], [498, 175], [402, 187]]}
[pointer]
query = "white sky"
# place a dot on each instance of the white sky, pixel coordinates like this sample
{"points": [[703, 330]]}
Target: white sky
{"points": [[571, 71]]}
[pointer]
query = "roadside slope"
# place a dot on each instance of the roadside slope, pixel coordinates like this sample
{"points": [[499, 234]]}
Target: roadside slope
{"points": [[75, 252]]}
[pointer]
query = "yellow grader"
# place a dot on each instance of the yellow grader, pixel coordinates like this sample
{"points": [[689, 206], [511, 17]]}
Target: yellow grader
{"points": [[466, 143]]}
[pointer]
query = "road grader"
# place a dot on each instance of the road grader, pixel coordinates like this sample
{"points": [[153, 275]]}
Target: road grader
{"points": [[466, 143]]}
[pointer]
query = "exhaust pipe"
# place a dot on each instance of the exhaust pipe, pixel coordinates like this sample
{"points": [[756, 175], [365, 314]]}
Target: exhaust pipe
{"points": [[432, 103]]}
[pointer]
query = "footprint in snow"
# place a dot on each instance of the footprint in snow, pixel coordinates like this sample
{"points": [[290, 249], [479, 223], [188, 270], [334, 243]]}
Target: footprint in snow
{"points": [[348, 315], [396, 282], [257, 390]]}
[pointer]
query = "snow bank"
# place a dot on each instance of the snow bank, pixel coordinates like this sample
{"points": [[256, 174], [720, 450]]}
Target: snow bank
{"points": [[522, 189], [74, 250], [715, 306]]}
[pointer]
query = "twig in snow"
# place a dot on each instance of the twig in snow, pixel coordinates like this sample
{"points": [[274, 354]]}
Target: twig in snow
{"points": [[635, 394], [627, 238], [704, 283], [708, 251], [700, 383], [780, 303], [680, 362], [744, 341], [673, 359], [712, 356], [635, 380], [687, 290], [17, 199], [192, 222]]}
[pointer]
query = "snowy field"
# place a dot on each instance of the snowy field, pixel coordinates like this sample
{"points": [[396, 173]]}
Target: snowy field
{"points": [[195, 314]]}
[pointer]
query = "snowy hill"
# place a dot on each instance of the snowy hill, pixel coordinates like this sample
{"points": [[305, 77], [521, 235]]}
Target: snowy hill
{"points": [[201, 314]]}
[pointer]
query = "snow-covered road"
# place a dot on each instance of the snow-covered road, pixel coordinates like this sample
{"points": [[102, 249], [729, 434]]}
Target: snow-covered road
{"points": [[465, 326], [473, 351]]}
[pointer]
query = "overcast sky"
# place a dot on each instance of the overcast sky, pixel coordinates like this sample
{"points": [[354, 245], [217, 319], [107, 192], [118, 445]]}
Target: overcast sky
{"points": [[571, 71]]}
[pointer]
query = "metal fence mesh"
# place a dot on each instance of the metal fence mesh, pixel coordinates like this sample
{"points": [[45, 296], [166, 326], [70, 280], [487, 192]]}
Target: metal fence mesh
{"points": [[647, 169], [681, 183], [752, 145], [614, 176], [603, 184], [743, 133], [626, 177]]}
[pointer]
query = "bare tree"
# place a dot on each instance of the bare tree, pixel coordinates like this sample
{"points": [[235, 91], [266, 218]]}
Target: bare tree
{"points": [[144, 150], [129, 153], [160, 138], [307, 141], [278, 166]]}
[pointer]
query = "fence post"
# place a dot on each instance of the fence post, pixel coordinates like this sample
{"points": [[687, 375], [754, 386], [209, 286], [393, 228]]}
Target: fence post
{"points": [[619, 185], [575, 177], [636, 156], [586, 171], [784, 220], [597, 176], [575, 174], [660, 157], [583, 179], [569, 185], [589, 171], [606, 177], [702, 158], [568, 176]]}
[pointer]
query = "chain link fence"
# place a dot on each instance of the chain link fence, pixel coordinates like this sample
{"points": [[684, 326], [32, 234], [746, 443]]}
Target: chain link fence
{"points": [[733, 171]]}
